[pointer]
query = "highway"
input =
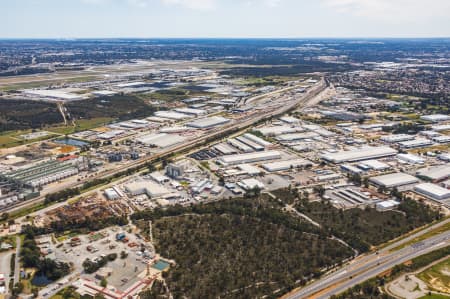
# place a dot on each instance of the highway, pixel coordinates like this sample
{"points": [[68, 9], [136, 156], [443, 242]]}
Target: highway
{"points": [[213, 134], [370, 265]]}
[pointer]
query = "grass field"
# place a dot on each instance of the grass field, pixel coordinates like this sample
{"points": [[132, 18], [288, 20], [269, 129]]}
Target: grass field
{"points": [[12, 138], [81, 125], [437, 277]]}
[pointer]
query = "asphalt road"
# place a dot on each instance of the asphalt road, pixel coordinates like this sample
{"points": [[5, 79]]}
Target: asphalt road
{"points": [[368, 266], [5, 267], [17, 264]]}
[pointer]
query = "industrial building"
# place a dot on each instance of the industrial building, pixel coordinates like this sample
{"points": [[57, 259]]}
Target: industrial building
{"points": [[55, 94], [249, 169], [373, 164], [150, 188], [249, 158], [394, 180], [257, 140], [209, 122], [161, 140], [46, 172], [296, 136], [410, 158], [225, 149], [397, 138], [278, 130], [174, 171], [286, 165], [435, 117], [191, 111], [351, 169], [172, 115], [419, 142], [250, 184], [432, 191], [255, 146], [435, 174], [386, 205], [240, 145], [359, 154]]}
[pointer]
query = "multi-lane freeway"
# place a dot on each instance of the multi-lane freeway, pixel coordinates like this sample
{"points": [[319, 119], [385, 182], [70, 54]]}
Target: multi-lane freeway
{"points": [[368, 266], [221, 132]]}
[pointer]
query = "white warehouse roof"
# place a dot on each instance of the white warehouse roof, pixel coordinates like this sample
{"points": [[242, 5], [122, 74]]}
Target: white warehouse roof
{"points": [[432, 191], [286, 165], [435, 173], [394, 180], [364, 153], [249, 157], [208, 122]]}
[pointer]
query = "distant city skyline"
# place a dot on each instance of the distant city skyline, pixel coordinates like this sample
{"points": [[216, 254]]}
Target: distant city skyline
{"points": [[224, 18]]}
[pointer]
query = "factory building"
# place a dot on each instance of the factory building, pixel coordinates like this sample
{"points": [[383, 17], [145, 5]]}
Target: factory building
{"points": [[174, 171], [286, 165], [351, 169], [191, 111], [225, 149], [250, 184], [359, 154], [172, 115], [278, 130], [410, 158], [46, 172], [249, 158], [249, 169], [386, 205], [290, 120], [397, 138], [150, 188], [296, 136], [435, 174], [432, 191], [373, 164], [435, 117], [209, 122], [257, 140], [240, 145], [419, 142], [394, 180], [161, 140], [252, 144]]}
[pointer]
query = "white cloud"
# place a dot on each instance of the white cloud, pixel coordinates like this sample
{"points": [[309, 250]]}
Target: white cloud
{"points": [[272, 3], [193, 4], [391, 10]]}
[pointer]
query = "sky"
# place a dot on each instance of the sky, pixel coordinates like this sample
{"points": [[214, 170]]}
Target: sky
{"points": [[223, 18]]}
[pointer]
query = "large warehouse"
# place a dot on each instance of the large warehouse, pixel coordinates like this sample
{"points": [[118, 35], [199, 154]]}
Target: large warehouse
{"points": [[208, 122], [394, 180], [286, 165], [257, 140], [435, 173], [360, 154], [161, 140], [432, 191], [146, 187], [249, 158], [45, 172]]}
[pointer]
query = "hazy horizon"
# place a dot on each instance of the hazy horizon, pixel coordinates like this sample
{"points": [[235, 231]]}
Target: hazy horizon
{"points": [[148, 19]]}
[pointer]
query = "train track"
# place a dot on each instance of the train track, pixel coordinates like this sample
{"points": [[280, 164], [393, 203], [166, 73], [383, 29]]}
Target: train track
{"points": [[214, 135]]}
